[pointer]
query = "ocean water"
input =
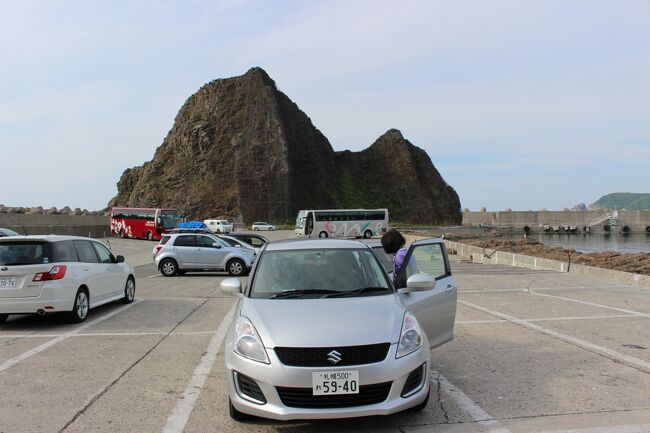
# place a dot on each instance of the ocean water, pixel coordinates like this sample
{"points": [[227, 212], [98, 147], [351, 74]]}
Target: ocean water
{"points": [[633, 243]]}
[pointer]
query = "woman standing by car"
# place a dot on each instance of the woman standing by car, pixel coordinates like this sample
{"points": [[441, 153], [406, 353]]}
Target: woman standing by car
{"points": [[394, 243]]}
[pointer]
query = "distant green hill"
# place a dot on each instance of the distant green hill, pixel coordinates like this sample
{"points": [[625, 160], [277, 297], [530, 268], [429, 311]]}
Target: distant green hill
{"points": [[623, 200]]}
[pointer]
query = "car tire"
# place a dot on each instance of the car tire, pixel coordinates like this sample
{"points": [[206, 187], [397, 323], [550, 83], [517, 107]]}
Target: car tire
{"points": [[218, 231], [168, 267], [3, 317], [236, 267], [81, 306], [257, 229], [367, 234], [129, 291], [322, 235], [422, 405], [237, 415], [149, 236]]}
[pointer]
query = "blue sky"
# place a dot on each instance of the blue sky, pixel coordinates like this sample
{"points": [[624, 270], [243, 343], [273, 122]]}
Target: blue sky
{"points": [[522, 105]]}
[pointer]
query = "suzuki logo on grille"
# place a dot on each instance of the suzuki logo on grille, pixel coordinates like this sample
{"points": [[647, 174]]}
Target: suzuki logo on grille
{"points": [[334, 357]]}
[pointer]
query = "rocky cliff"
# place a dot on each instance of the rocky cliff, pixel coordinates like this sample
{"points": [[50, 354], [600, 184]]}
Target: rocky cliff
{"points": [[241, 147]]}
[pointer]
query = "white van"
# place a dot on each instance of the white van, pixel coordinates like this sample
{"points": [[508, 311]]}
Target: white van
{"points": [[219, 226]]}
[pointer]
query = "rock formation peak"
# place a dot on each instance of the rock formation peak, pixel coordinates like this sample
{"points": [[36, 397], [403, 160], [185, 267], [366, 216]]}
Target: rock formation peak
{"points": [[241, 147]]}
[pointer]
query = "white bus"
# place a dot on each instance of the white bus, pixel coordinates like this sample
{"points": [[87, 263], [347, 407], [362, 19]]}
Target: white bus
{"points": [[330, 223]]}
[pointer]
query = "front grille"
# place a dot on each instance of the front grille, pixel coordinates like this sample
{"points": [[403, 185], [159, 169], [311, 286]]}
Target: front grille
{"points": [[317, 356], [304, 397], [413, 381], [247, 387]]}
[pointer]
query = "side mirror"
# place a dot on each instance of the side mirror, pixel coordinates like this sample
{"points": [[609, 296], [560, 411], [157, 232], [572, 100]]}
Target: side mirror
{"points": [[216, 245], [119, 259], [419, 283], [230, 286]]}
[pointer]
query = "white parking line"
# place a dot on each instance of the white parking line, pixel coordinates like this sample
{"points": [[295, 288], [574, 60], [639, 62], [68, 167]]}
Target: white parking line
{"points": [[152, 276], [630, 361], [550, 319], [592, 304], [640, 428], [17, 359], [185, 404], [475, 411]]}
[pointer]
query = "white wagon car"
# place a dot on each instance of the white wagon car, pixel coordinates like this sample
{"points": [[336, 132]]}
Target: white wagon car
{"points": [[321, 331], [49, 274], [262, 226], [218, 226]]}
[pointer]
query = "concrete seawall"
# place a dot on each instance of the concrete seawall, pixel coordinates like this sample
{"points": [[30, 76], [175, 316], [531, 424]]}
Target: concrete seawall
{"points": [[40, 224], [494, 257], [637, 221]]}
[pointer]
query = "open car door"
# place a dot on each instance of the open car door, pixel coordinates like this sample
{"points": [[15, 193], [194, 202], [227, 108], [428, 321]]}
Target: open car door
{"points": [[435, 308]]}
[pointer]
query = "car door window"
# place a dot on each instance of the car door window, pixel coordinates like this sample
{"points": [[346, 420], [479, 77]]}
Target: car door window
{"points": [[205, 242], [85, 252], [427, 259], [184, 241], [105, 256], [256, 242], [64, 251]]}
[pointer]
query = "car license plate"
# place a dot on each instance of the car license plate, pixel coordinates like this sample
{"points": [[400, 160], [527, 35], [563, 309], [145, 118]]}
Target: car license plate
{"points": [[335, 382], [7, 281]]}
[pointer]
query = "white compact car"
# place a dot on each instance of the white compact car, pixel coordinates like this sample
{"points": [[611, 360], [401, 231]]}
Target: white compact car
{"points": [[49, 274], [218, 226], [321, 331], [262, 226]]}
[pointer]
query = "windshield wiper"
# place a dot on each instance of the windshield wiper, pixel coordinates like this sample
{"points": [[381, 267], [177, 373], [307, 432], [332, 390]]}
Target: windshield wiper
{"points": [[301, 293], [356, 292]]}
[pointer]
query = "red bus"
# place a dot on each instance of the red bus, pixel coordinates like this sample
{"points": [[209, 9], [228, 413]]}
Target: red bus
{"points": [[140, 222]]}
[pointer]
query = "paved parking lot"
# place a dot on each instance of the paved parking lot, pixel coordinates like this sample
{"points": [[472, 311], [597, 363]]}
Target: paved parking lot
{"points": [[535, 351]]}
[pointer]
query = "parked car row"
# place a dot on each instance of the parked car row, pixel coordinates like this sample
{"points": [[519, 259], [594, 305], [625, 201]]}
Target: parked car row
{"points": [[225, 226]]}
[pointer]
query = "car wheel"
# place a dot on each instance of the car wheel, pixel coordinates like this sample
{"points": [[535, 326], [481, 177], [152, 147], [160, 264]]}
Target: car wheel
{"points": [[236, 267], [256, 229], [168, 267], [367, 234], [237, 415], [129, 291], [80, 309], [149, 236], [218, 231], [422, 405], [322, 235], [3, 317]]}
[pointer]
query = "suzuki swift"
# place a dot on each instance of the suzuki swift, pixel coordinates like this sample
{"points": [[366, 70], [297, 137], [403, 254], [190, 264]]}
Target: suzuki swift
{"points": [[320, 331]]}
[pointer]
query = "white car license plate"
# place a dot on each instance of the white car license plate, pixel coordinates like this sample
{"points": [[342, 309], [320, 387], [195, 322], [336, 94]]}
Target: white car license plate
{"points": [[335, 382], [7, 281]]}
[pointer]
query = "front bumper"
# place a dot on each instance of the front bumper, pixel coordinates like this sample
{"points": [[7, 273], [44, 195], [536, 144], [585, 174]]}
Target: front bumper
{"points": [[271, 376]]}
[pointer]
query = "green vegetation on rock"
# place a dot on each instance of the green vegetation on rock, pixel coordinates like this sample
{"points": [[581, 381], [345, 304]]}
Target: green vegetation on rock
{"points": [[624, 200]]}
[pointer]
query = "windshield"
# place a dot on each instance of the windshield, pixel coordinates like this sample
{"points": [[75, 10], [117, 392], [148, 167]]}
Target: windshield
{"points": [[300, 220], [170, 219], [23, 253], [319, 273]]}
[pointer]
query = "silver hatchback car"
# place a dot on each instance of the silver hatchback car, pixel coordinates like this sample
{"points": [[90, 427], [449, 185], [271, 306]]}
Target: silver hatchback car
{"points": [[179, 253], [321, 331]]}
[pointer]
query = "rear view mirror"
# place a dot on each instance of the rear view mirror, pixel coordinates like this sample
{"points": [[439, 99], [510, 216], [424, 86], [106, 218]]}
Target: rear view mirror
{"points": [[419, 283], [230, 286], [119, 259], [216, 245]]}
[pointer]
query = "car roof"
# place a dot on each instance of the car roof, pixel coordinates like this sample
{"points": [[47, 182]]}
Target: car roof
{"points": [[308, 244], [45, 238]]}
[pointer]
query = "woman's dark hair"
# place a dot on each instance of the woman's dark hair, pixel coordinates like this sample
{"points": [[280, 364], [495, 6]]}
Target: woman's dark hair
{"points": [[392, 241]]}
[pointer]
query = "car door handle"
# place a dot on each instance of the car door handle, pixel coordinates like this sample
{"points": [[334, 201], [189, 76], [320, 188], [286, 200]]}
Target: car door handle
{"points": [[449, 288], [85, 268]]}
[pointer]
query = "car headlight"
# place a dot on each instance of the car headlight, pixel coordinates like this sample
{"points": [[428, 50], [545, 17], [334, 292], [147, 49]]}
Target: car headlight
{"points": [[410, 338], [248, 342]]}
